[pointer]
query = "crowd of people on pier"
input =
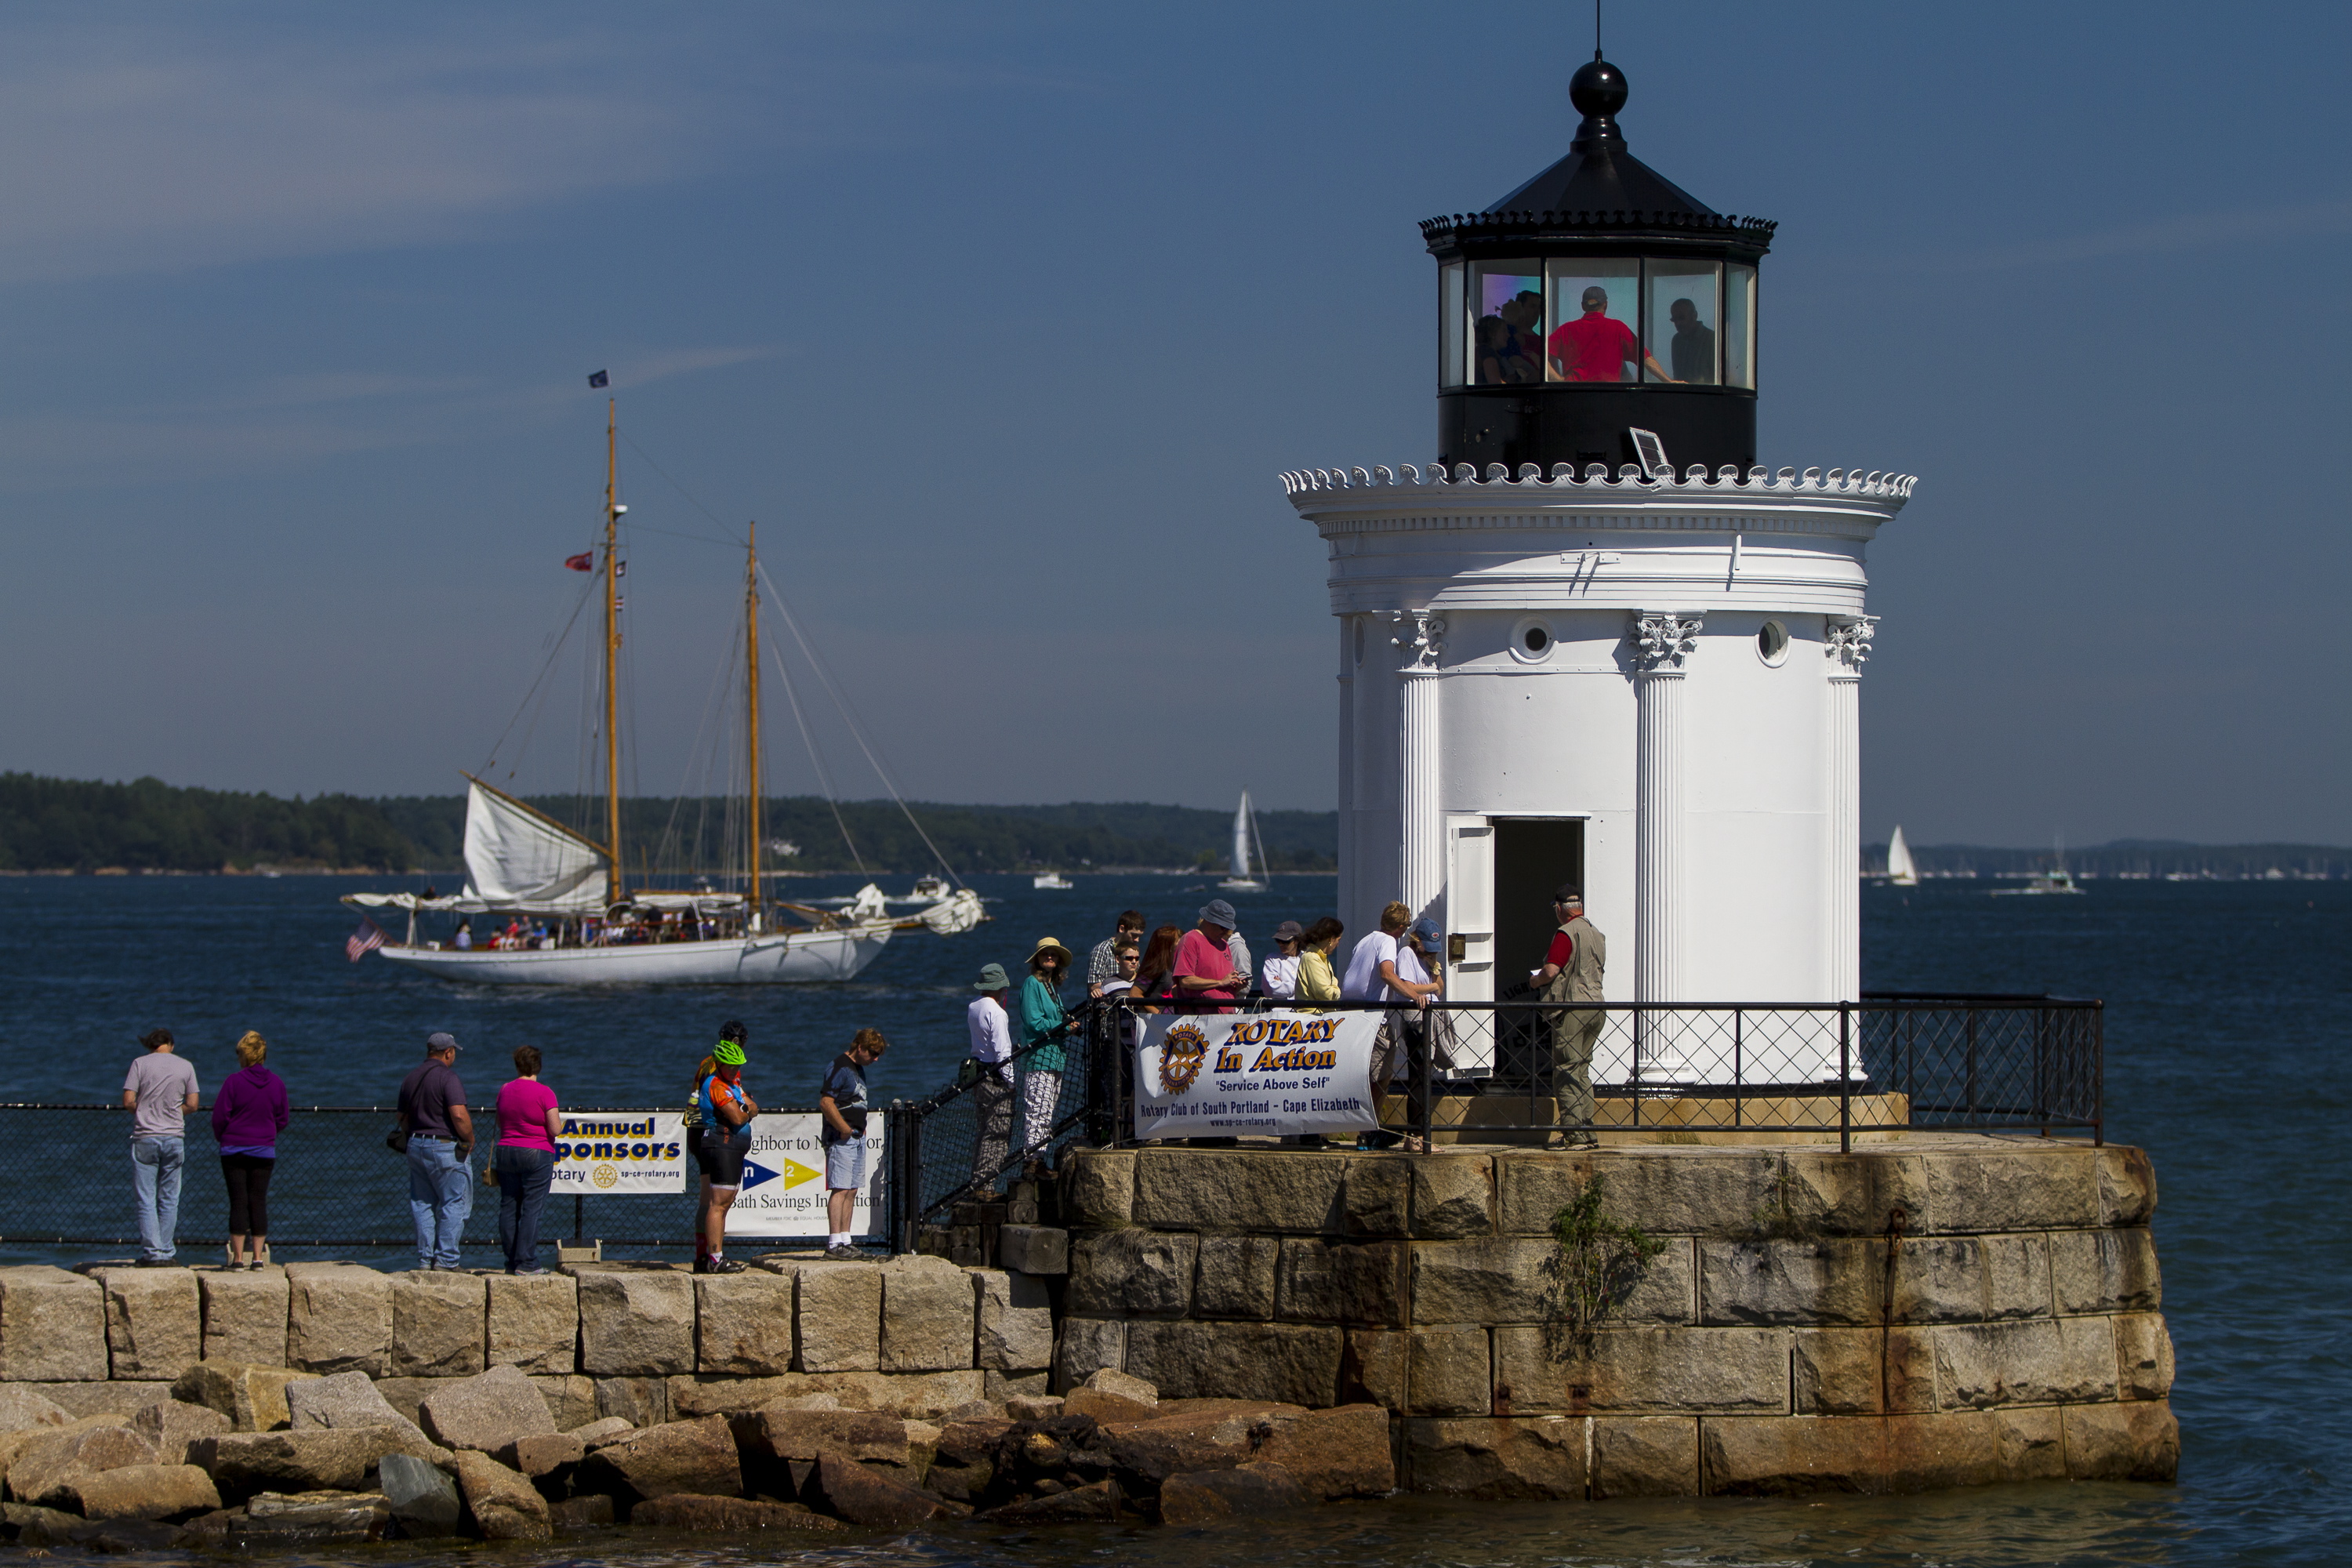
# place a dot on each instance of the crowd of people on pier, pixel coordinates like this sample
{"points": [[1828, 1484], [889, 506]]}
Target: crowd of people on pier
{"points": [[1019, 1038]]}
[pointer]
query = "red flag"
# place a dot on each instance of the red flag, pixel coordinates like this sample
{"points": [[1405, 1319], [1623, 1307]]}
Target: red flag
{"points": [[364, 941], [584, 562]]}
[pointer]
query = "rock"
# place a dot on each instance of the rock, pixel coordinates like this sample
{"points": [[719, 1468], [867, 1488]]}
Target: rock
{"points": [[252, 1397], [926, 1315], [1015, 1330], [1038, 1407], [534, 1323], [2126, 1186], [2139, 1441], [44, 1471], [244, 1463], [420, 1496], [1448, 1373], [14, 1444], [438, 1323], [1236, 1276], [120, 1536], [977, 1410], [172, 1425], [744, 1323], [1284, 1362], [2068, 1361], [544, 1455], [862, 1497], [310, 1519], [1863, 1372], [1792, 1456], [1452, 1195], [1098, 1188], [52, 1326], [1133, 1273], [681, 1510], [857, 1437], [963, 1458], [1284, 1192], [245, 1313], [1096, 1503], [2144, 1352], [1836, 1282], [1103, 1407], [485, 1413], [636, 1323], [696, 1456], [1645, 1455], [338, 1318], [912, 1395], [1978, 1192], [1332, 1453], [505, 1506], [2016, 1277], [838, 1325], [642, 1401], [1251, 1490], [143, 1491], [1190, 1435], [582, 1512], [125, 1398], [346, 1399], [1531, 1457], [595, 1434], [37, 1527], [1124, 1385], [1643, 1370], [22, 1408], [153, 1327], [996, 1387], [2106, 1271], [1033, 1249], [1087, 1346], [571, 1399]]}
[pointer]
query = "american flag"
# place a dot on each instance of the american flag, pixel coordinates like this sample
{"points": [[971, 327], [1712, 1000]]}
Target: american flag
{"points": [[364, 941]]}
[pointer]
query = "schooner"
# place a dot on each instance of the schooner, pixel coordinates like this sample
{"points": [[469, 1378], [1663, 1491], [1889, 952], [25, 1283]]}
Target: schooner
{"points": [[565, 897]]}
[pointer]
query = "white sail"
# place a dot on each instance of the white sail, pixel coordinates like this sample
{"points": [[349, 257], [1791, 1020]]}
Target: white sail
{"points": [[1899, 868], [517, 859], [1241, 861]]}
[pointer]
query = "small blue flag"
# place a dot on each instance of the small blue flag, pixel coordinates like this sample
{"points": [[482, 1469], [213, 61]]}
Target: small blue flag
{"points": [[599, 379]]}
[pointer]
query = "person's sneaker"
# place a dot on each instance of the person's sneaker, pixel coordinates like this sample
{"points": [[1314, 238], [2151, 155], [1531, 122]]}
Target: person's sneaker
{"points": [[842, 1250], [725, 1266]]}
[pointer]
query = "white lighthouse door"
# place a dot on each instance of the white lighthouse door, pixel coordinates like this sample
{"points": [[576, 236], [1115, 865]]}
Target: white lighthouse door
{"points": [[1470, 939]]}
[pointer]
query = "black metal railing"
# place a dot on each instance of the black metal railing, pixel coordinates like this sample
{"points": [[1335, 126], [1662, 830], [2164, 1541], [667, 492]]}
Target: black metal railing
{"points": [[336, 1187]]}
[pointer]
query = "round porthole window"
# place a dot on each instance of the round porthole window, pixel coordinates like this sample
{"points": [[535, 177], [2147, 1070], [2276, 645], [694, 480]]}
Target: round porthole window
{"points": [[1772, 643], [1531, 642]]}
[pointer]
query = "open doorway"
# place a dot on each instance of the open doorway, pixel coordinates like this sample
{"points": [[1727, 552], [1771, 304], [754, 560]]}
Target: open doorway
{"points": [[1533, 856]]}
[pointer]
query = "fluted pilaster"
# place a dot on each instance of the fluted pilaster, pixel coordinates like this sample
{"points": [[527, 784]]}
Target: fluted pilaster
{"points": [[1662, 641], [1422, 848], [1847, 648]]}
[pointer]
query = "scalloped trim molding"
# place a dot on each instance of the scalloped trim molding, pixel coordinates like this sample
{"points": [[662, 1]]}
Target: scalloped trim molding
{"points": [[1696, 482]]}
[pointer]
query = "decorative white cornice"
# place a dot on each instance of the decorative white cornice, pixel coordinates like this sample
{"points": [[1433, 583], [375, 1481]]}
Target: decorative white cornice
{"points": [[1422, 649], [1849, 643], [1353, 500], [1662, 640]]}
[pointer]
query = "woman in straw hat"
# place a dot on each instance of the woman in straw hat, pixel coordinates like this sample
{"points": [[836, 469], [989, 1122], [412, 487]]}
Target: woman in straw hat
{"points": [[1044, 1026]]}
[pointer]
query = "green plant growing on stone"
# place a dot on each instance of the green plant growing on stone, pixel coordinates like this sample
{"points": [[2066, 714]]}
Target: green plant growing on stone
{"points": [[1599, 1259], [1776, 1218]]}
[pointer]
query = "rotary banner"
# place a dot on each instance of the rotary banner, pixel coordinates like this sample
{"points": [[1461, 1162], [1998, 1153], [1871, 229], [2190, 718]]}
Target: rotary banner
{"points": [[621, 1152], [1214, 1075]]}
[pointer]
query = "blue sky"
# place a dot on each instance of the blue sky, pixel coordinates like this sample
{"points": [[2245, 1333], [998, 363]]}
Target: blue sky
{"points": [[1002, 321]]}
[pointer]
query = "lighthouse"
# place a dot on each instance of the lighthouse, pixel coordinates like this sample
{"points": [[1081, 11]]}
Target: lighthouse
{"points": [[1595, 641]]}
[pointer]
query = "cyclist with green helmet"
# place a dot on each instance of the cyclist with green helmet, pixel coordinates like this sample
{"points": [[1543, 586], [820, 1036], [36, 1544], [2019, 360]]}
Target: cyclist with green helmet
{"points": [[721, 1143]]}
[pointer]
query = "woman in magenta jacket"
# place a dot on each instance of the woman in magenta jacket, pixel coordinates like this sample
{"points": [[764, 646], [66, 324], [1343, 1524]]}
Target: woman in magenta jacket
{"points": [[247, 1116]]}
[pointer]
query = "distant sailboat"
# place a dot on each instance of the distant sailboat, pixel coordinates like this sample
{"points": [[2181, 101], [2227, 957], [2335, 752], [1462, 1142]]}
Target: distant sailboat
{"points": [[1900, 870], [1241, 880]]}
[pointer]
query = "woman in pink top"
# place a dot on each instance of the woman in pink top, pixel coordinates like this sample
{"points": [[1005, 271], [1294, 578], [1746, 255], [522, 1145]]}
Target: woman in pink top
{"points": [[529, 1122]]}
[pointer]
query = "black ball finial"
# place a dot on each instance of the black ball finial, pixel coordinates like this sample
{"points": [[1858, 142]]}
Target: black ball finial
{"points": [[1598, 90]]}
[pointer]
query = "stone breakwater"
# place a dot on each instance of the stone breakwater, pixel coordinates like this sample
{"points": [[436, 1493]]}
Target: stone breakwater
{"points": [[148, 1408], [1934, 1311]]}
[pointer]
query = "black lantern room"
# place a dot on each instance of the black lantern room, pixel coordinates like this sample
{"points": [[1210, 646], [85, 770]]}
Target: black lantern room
{"points": [[1596, 299]]}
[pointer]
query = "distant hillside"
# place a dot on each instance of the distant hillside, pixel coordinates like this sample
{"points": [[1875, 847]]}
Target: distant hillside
{"points": [[2128, 857], [68, 824]]}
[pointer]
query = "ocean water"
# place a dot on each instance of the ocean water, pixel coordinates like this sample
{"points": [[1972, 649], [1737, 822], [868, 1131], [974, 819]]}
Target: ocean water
{"points": [[2229, 1056]]}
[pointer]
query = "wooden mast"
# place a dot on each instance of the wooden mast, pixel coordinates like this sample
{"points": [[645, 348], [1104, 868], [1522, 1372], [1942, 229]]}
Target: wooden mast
{"points": [[612, 648], [752, 703]]}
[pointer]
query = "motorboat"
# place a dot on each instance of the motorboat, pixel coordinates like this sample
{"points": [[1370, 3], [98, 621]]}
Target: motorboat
{"points": [[1051, 881]]}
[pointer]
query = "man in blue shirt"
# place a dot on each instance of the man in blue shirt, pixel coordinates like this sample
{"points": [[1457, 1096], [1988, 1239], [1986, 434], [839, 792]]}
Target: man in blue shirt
{"points": [[842, 1104]]}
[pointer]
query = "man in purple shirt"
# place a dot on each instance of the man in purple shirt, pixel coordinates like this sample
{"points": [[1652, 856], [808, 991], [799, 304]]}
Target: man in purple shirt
{"points": [[440, 1141]]}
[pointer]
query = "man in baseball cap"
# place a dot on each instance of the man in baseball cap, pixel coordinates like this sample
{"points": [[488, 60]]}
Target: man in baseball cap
{"points": [[1204, 959], [992, 1058], [440, 1140], [1278, 977]]}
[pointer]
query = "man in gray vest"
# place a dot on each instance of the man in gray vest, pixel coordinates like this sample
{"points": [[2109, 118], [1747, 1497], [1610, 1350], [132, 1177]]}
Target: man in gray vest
{"points": [[1571, 973]]}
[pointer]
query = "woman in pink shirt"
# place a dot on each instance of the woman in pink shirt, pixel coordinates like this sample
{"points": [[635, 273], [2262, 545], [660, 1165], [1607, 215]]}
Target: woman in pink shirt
{"points": [[529, 1122]]}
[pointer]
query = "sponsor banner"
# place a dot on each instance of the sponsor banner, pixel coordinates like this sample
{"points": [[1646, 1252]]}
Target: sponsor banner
{"points": [[623, 1152], [1215, 1075], [783, 1179]]}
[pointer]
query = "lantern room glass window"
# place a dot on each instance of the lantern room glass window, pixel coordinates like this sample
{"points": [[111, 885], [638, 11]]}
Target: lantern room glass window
{"points": [[1682, 322], [1507, 310], [1739, 326], [1451, 359], [1594, 304]]}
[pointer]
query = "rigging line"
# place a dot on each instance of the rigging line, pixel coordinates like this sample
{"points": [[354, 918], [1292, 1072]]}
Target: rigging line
{"points": [[784, 608], [691, 499], [816, 758], [721, 685], [545, 665]]}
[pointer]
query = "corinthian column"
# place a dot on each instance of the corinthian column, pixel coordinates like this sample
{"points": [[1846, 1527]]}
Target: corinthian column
{"points": [[1848, 647], [1420, 858], [1662, 641]]}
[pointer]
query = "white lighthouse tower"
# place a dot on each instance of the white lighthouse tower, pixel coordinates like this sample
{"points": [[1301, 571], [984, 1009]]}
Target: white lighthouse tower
{"points": [[1594, 642]]}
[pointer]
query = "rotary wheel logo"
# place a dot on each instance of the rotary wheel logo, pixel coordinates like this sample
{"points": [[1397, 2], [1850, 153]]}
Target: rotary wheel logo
{"points": [[1181, 1054], [605, 1176]]}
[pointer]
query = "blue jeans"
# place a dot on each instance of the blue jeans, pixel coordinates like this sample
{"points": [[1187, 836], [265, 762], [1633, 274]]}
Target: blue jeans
{"points": [[440, 1196], [155, 1166], [523, 1178]]}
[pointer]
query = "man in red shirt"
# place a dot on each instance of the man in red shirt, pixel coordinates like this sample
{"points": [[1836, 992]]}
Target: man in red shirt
{"points": [[1204, 965], [1597, 346]]}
